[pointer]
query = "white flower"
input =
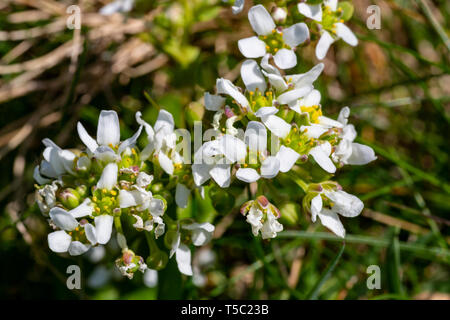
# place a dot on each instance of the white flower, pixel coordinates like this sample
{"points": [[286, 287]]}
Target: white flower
{"points": [[347, 151], [270, 40], [262, 216], [108, 138], [201, 234], [332, 27], [256, 140], [161, 141], [117, 6], [182, 195], [338, 202], [56, 163], [46, 197], [214, 158], [61, 241]]}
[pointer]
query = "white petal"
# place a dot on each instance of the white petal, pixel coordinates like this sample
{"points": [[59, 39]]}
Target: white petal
{"points": [[76, 248], [201, 232], [296, 34], [224, 86], [108, 130], [333, 4], [143, 179], [148, 128], [105, 154], [238, 6], [200, 173], [165, 122], [309, 77], [90, 143], [255, 136], [38, 178], [314, 131], [91, 233], [331, 220], [316, 207], [156, 207], [311, 11], [84, 209], [213, 102], [266, 111], [346, 34], [328, 122], [343, 115], [130, 142], [276, 125], [287, 157], [183, 257], [345, 203], [221, 174], [311, 99], [150, 278], [285, 59], [182, 195], [248, 175], [59, 241], [63, 219], [323, 45], [361, 154], [175, 244], [103, 228], [128, 198], [252, 76], [270, 167], [233, 148], [252, 47], [277, 81], [108, 178], [267, 66], [165, 162], [260, 20], [322, 157], [293, 95]]}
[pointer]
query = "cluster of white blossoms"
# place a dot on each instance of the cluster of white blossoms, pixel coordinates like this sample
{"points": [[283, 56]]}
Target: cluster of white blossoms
{"points": [[271, 126], [88, 193], [282, 111]]}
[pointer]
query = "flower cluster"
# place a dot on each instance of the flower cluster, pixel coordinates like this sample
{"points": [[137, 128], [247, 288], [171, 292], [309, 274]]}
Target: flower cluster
{"points": [[272, 127], [87, 192]]}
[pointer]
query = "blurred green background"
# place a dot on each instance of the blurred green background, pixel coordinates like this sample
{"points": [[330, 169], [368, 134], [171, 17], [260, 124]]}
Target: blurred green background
{"points": [[167, 54]]}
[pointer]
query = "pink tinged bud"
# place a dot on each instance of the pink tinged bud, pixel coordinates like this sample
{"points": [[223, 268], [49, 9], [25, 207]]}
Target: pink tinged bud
{"points": [[339, 187], [280, 29], [303, 158], [128, 257], [83, 222], [135, 168], [228, 112], [245, 207], [263, 202]]}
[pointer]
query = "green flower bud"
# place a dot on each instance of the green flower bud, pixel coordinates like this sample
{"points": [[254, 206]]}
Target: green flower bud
{"points": [[169, 237], [289, 213], [70, 198], [157, 260]]}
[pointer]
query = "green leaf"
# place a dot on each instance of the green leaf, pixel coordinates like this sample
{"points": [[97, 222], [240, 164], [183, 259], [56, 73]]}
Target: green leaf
{"points": [[315, 292]]}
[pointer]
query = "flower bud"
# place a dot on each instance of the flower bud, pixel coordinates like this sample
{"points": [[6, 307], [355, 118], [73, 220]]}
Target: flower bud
{"points": [[279, 14], [70, 198], [129, 263], [289, 213], [157, 260]]}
